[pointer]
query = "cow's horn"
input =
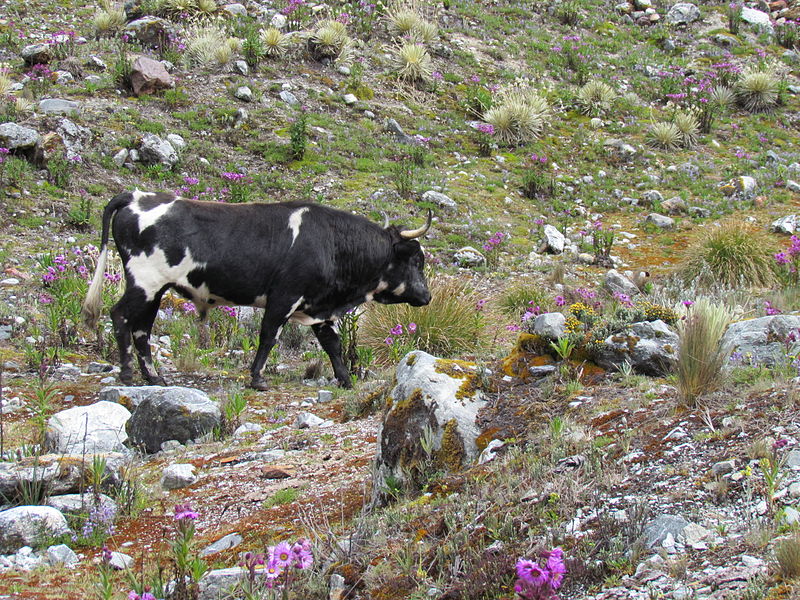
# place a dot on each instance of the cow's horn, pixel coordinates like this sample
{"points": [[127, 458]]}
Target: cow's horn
{"points": [[415, 233], [385, 220]]}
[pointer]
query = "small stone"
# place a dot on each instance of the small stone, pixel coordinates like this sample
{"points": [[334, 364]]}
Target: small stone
{"points": [[225, 543], [242, 67], [554, 241], [120, 561], [791, 515], [306, 420], [324, 396], [793, 458], [469, 257], [9, 282], [350, 99], [787, 225], [337, 589], [440, 199], [289, 98], [660, 221], [723, 467], [178, 476], [61, 555], [794, 489], [244, 93], [550, 325]]}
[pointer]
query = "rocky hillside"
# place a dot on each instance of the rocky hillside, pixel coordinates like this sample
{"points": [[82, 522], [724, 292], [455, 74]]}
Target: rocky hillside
{"points": [[599, 402]]}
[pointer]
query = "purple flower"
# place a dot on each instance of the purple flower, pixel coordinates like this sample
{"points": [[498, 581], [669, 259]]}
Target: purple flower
{"points": [[769, 309], [191, 180], [480, 304], [301, 551], [781, 258], [687, 303], [485, 128], [531, 573], [282, 554], [388, 341], [437, 76], [560, 301], [184, 511], [189, 308], [412, 328], [397, 330]]}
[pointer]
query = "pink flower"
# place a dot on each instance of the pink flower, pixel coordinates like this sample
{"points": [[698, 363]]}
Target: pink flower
{"points": [[412, 328], [282, 554], [531, 573]]}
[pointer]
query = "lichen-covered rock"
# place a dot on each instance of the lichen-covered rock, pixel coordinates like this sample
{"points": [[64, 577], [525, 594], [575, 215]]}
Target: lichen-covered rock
{"points": [[154, 151], [651, 347], [29, 526], [150, 31], [431, 420], [175, 413], [763, 340], [99, 427], [17, 137]]}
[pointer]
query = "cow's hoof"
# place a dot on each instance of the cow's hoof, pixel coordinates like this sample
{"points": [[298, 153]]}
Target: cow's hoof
{"points": [[126, 378], [346, 384], [259, 384], [156, 381]]}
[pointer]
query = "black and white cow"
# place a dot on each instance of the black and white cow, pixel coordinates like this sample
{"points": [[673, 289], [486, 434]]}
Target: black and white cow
{"points": [[302, 262]]}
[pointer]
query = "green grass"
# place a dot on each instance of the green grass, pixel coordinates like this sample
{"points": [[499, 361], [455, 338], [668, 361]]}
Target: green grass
{"points": [[281, 497]]}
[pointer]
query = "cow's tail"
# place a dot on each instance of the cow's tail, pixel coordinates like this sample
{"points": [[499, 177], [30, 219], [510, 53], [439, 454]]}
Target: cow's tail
{"points": [[94, 297]]}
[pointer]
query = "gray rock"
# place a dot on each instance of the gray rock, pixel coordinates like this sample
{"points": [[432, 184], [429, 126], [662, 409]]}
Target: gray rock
{"points": [[324, 396], [549, 325], [29, 526], [74, 504], [762, 340], [651, 348], [131, 396], [394, 128], [436, 400], [699, 212], [5, 331], [178, 476], [99, 367], [440, 199], [120, 561], [61, 555], [658, 529], [64, 77], [305, 420], [247, 428], [120, 157], [289, 98], [653, 197], [36, 54], [554, 241], [660, 221], [149, 76], [674, 205], [153, 150], [245, 94], [99, 427], [220, 583], [469, 257], [95, 62], [787, 224], [177, 142], [617, 282], [621, 148], [242, 67], [793, 458], [791, 515], [56, 106], [73, 136], [542, 370], [278, 21], [682, 13], [350, 99], [757, 18], [150, 31], [793, 186], [175, 413], [235, 10], [723, 467], [225, 543], [794, 489], [17, 137]]}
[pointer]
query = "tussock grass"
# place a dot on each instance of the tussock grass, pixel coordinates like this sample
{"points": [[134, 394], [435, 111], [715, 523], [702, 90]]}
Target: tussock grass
{"points": [[702, 355], [787, 553], [413, 63], [665, 135], [449, 326], [734, 255], [519, 117], [757, 91], [274, 42], [689, 128], [596, 97], [208, 45]]}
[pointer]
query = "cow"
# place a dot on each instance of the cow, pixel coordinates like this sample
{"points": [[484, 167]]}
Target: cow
{"points": [[299, 261]]}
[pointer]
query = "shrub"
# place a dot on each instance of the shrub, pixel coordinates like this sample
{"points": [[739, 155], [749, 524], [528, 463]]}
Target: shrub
{"points": [[701, 355], [519, 298], [664, 134], [733, 255], [425, 32], [596, 97], [109, 20], [722, 96], [688, 126], [787, 553], [449, 326], [757, 90], [274, 42], [413, 63], [520, 116]]}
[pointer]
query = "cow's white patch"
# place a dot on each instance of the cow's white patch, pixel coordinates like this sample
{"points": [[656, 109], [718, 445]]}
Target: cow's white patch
{"points": [[398, 291], [148, 217], [152, 272], [382, 285], [304, 319], [295, 306], [295, 220], [139, 334]]}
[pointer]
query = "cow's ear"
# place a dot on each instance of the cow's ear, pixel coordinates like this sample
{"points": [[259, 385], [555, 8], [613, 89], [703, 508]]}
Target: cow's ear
{"points": [[406, 248]]}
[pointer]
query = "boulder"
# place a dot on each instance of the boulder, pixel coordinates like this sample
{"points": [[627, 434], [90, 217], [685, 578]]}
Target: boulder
{"points": [[762, 340], [221, 583], [153, 150], [130, 396], [37, 54], [57, 106], [73, 137], [550, 325], [178, 476], [175, 413], [224, 543], [245, 94], [29, 526], [788, 224], [756, 17], [682, 13], [289, 98], [617, 282], [61, 555], [306, 420], [99, 427], [150, 31], [440, 199], [469, 257], [431, 420], [554, 241], [75, 504], [17, 137], [660, 221], [149, 76], [651, 348]]}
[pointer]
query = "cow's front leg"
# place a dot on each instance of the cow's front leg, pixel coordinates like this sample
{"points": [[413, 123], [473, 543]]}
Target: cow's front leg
{"points": [[330, 342], [274, 318]]}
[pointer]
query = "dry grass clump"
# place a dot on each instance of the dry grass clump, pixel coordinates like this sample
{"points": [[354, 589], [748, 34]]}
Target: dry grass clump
{"points": [[664, 135], [449, 326], [274, 42], [519, 116], [412, 63], [208, 45], [108, 19], [596, 97], [701, 355], [329, 39], [5, 84], [757, 90], [722, 96], [179, 8], [405, 19], [689, 128], [787, 553], [734, 255]]}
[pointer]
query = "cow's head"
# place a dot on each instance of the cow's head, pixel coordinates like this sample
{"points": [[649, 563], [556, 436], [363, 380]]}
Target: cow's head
{"points": [[404, 276]]}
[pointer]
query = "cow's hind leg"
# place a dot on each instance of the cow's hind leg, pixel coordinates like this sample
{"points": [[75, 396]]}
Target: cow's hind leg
{"points": [[275, 317], [332, 344], [133, 316]]}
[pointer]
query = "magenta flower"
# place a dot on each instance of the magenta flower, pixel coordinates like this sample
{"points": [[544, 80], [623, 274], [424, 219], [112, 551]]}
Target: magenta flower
{"points": [[531, 573], [388, 341], [273, 570], [560, 301], [282, 554], [397, 330], [184, 511], [412, 328]]}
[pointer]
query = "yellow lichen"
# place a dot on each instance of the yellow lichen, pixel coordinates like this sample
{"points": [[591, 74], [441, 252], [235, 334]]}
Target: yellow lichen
{"points": [[451, 454]]}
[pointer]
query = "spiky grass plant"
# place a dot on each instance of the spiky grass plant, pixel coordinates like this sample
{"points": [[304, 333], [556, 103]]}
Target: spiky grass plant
{"points": [[108, 21], [402, 20], [689, 128], [787, 553], [701, 355], [722, 96], [329, 38], [206, 7], [412, 63], [5, 84], [425, 32], [208, 45], [23, 105], [734, 255], [176, 8], [757, 90], [274, 42], [596, 97], [520, 116], [449, 326], [664, 134]]}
